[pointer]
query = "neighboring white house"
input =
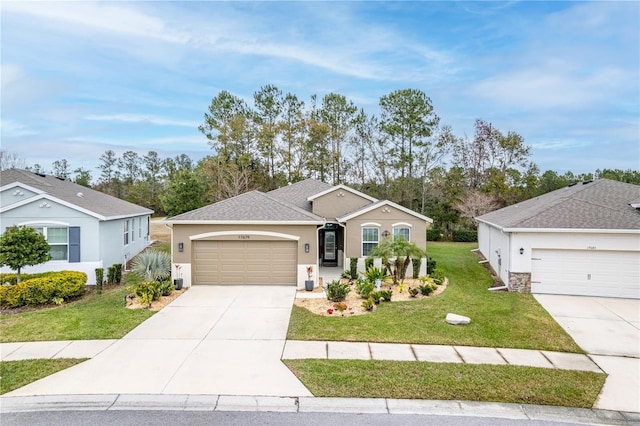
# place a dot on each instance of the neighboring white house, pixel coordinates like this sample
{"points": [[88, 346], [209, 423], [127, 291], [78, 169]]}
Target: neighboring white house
{"points": [[583, 239], [85, 229]]}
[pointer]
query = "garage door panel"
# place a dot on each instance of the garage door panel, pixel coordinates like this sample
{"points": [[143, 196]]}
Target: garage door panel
{"points": [[586, 272], [245, 262]]}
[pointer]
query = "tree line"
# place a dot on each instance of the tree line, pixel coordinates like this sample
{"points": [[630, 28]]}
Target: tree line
{"points": [[404, 154]]}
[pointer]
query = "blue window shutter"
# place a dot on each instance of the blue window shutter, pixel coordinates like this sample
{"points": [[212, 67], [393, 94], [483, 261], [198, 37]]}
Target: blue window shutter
{"points": [[74, 244]]}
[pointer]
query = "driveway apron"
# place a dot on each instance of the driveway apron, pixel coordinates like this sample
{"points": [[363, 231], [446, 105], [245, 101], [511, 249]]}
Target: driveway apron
{"points": [[608, 329], [219, 340]]}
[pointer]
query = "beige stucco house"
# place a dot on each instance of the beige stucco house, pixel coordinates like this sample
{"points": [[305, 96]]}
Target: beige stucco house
{"points": [[273, 237]]}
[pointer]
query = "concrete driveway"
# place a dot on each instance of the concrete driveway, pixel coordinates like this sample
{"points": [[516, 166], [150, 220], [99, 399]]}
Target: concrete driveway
{"points": [[608, 329], [222, 340]]}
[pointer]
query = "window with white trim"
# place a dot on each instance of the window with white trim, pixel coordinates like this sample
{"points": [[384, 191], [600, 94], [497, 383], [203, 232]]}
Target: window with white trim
{"points": [[126, 232], [58, 240], [370, 239], [402, 232]]}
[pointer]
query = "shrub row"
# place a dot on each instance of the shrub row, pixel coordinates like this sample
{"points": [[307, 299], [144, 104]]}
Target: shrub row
{"points": [[13, 278], [465, 236], [51, 287], [462, 236]]}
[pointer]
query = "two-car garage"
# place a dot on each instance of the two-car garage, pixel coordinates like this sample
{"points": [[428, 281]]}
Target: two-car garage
{"points": [[269, 262]]}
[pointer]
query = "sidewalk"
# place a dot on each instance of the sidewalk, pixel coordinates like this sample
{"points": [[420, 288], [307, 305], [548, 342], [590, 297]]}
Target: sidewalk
{"points": [[296, 349]]}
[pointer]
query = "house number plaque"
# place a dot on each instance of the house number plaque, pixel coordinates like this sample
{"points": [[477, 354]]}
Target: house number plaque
{"points": [[244, 237]]}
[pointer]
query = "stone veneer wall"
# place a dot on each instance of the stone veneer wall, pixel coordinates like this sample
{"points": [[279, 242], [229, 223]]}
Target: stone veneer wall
{"points": [[520, 282]]}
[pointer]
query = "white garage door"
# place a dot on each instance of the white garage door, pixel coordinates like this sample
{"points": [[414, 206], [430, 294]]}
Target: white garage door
{"points": [[586, 273], [245, 262]]}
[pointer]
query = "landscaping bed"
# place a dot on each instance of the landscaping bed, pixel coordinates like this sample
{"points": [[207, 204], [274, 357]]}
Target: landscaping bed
{"points": [[353, 301]]}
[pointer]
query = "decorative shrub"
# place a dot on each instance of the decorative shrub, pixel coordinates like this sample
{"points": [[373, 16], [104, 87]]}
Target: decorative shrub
{"points": [[346, 274], [374, 274], [438, 276], [46, 288], [427, 287], [364, 288], [166, 288], [152, 265], [368, 304], [337, 291], [465, 236], [118, 272], [150, 291], [431, 265], [111, 274], [99, 279], [413, 292], [416, 263], [434, 234], [385, 295], [353, 267], [368, 263]]}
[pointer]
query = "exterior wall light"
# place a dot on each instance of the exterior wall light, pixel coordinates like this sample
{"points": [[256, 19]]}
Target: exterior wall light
{"points": [[521, 250], [181, 247]]}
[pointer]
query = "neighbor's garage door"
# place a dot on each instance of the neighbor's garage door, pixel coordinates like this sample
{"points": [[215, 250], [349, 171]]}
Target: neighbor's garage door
{"points": [[586, 273], [245, 262]]}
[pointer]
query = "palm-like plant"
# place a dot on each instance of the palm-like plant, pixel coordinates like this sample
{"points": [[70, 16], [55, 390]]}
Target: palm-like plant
{"points": [[152, 265], [400, 249]]}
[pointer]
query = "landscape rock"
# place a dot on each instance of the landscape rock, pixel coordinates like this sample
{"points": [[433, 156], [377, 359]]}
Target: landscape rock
{"points": [[457, 319]]}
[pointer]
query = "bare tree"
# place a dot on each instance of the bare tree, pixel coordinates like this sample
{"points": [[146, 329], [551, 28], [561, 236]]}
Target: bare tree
{"points": [[9, 160], [476, 204]]}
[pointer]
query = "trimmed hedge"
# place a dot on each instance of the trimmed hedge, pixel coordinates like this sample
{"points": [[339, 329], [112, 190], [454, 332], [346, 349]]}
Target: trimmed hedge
{"points": [[465, 236], [434, 234], [13, 278], [50, 287]]}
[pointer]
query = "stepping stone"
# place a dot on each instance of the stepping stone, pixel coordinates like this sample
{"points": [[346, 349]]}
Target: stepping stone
{"points": [[457, 319]]}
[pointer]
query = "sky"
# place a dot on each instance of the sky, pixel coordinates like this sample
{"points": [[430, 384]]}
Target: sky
{"points": [[79, 78]]}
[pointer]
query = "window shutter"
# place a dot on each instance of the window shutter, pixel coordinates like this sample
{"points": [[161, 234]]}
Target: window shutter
{"points": [[74, 244]]}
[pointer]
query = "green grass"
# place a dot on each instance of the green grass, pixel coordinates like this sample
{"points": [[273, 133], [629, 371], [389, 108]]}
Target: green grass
{"points": [[16, 374], [498, 319], [423, 380], [95, 316]]}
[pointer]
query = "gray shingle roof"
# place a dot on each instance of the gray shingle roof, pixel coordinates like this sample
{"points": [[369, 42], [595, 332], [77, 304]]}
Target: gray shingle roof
{"points": [[298, 193], [95, 201], [250, 206], [602, 204]]}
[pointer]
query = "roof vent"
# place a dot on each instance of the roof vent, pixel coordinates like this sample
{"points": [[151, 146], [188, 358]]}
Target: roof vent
{"points": [[572, 184], [41, 174], [80, 194], [587, 182], [60, 178]]}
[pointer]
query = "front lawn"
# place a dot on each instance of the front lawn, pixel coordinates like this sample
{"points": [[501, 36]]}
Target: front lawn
{"points": [[498, 319], [95, 316], [424, 380], [16, 374]]}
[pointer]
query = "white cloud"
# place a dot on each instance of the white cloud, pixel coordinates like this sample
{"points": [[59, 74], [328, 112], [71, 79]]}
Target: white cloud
{"points": [[142, 118], [13, 129], [109, 17]]}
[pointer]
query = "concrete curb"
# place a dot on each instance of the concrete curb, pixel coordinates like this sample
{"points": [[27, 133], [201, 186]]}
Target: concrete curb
{"points": [[313, 404]]}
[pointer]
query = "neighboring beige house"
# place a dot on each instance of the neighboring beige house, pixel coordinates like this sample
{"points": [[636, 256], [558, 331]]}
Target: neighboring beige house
{"points": [[580, 240], [271, 238]]}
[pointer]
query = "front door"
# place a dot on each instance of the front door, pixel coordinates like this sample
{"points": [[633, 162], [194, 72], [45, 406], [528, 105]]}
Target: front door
{"points": [[330, 247]]}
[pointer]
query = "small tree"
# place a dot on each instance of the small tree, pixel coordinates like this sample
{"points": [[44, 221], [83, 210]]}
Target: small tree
{"points": [[400, 249], [23, 246]]}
